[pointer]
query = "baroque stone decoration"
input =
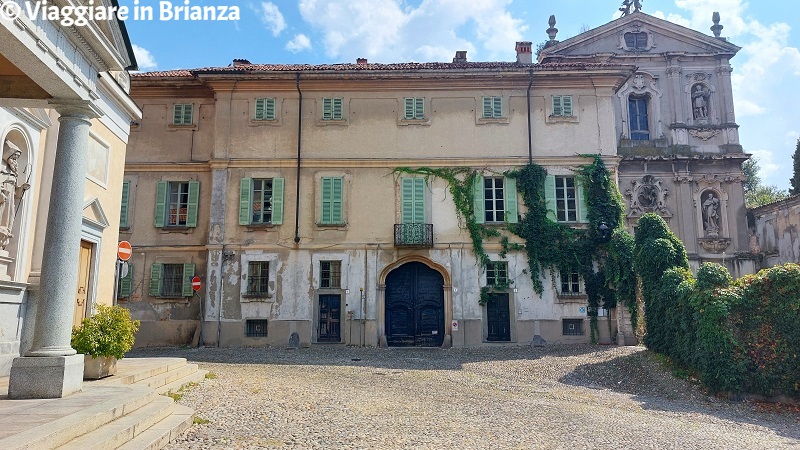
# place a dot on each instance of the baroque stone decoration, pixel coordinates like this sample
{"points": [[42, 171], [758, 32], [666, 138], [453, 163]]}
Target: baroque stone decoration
{"points": [[705, 133], [11, 191], [646, 196], [714, 245], [711, 213]]}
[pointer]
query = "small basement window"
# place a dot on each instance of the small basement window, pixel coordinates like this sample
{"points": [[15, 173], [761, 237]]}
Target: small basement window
{"points": [[572, 327], [256, 328]]}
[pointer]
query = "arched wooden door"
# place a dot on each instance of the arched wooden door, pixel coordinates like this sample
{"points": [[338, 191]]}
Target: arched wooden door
{"points": [[414, 306]]}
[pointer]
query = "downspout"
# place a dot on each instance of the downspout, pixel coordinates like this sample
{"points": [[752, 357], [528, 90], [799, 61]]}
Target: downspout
{"points": [[530, 134], [299, 140]]}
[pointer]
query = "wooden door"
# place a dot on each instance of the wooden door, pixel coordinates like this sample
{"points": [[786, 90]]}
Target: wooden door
{"points": [[414, 306], [82, 295], [329, 318], [498, 317]]}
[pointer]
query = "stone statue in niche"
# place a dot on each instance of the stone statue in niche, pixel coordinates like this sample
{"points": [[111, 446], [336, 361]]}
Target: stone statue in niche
{"points": [[700, 101], [11, 192], [711, 214]]}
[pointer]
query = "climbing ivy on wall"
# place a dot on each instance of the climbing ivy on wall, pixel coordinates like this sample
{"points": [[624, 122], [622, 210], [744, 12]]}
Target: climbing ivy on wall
{"points": [[552, 246]]}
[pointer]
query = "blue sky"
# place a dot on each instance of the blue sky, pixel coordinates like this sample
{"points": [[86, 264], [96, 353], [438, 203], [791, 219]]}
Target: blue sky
{"points": [[766, 73]]}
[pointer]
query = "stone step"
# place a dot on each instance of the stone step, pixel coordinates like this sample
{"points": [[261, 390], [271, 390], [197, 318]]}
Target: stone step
{"points": [[93, 410], [196, 377], [123, 429], [138, 369], [164, 432], [165, 378]]}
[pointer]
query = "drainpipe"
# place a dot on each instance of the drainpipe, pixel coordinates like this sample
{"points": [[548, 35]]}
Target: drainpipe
{"points": [[530, 134], [299, 140]]}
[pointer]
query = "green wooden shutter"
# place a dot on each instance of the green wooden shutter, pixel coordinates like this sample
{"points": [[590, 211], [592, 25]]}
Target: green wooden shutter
{"points": [[126, 283], [161, 204], [409, 108], [155, 279], [550, 196], [327, 108], [419, 200], [177, 114], [337, 109], [583, 209], [331, 200], [191, 207], [270, 111], [245, 205], [261, 109], [419, 108], [406, 200], [338, 200], [188, 274], [498, 107], [477, 189], [487, 107], [566, 103], [557, 108], [123, 207], [510, 188], [277, 201], [187, 114]]}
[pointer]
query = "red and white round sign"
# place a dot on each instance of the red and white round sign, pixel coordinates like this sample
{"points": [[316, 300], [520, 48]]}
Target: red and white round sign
{"points": [[124, 251], [196, 283]]}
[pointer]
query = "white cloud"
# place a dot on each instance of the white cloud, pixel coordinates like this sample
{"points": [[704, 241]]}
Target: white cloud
{"points": [[299, 43], [144, 58], [392, 31], [272, 18], [766, 163]]}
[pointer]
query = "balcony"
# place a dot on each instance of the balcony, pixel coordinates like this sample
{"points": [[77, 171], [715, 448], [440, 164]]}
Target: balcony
{"points": [[413, 235]]}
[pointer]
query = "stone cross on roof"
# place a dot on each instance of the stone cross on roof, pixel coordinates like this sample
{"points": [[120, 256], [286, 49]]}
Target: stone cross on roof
{"points": [[626, 6]]}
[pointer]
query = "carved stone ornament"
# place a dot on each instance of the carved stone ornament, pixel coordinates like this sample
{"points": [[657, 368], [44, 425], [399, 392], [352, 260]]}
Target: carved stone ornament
{"points": [[639, 83], [646, 196], [714, 245], [704, 133]]}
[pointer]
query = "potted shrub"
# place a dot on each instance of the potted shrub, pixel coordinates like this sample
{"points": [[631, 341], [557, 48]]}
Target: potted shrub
{"points": [[103, 339]]}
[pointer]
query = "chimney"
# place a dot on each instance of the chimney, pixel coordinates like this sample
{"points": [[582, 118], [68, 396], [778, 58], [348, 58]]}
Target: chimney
{"points": [[361, 61], [524, 53], [461, 56], [241, 62]]}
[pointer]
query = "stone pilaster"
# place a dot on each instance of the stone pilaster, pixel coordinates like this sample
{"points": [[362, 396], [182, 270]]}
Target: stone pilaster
{"points": [[51, 368]]}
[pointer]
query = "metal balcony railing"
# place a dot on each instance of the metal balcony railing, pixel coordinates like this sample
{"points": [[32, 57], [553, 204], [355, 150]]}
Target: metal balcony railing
{"points": [[413, 235]]}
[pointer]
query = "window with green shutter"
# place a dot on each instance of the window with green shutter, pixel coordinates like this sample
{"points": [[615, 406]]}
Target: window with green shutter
{"points": [[331, 201], [265, 109], [412, 200], [177, 203], [182, 114], [565, 199], [415, 108], [261, 201], [332, 108], [124, 205], [492, 107], [125, 285], [171, 280], [495, 200], [562, 105]]}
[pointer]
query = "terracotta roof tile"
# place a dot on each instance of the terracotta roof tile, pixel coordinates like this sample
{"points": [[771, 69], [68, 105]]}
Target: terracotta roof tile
{"points": [[411, 66]]}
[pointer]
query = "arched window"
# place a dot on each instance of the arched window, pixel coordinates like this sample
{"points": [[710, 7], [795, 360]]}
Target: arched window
{"points": [[638, 117]]}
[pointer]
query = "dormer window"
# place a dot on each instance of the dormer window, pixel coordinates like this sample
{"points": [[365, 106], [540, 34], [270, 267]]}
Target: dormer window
{"points": [[636, 41]]}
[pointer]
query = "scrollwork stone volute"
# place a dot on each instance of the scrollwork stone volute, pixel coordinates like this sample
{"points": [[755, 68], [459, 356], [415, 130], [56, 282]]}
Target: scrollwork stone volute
{"points": [[647, 195]]}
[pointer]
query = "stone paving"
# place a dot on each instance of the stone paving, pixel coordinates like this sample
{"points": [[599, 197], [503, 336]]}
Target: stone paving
{"points": [[504, 397]]}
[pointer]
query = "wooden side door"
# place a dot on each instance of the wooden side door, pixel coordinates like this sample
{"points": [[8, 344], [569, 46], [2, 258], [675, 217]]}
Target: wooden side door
{"points": [[82, 295]]}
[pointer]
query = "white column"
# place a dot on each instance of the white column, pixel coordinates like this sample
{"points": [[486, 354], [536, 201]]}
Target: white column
{"points": [[51, 368]]}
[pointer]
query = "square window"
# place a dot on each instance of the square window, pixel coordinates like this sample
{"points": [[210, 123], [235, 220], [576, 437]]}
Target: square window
{"points": [[492, 107], [255, 328], [494, 206], [258, 278], [177, 203], [636, 41], [171, 281], [570, 283], [330, 274], [497, 273], [182, 114], [264, 109], [332, 108], [572, 327], [415, 108], [562, 105]]}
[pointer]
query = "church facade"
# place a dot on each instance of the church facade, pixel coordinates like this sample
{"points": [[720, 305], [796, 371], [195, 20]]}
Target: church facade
{"points": [[278, 186]]}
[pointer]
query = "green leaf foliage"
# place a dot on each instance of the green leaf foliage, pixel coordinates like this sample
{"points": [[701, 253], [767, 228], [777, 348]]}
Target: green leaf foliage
{"points": [[110, 332]]}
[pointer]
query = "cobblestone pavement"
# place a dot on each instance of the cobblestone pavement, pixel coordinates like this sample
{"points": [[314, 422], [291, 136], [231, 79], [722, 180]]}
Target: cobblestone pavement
{"points": [[558, 397]]}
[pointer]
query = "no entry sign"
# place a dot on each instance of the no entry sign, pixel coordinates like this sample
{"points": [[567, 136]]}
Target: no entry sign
{"points": [[196, 283], [124, 251]]}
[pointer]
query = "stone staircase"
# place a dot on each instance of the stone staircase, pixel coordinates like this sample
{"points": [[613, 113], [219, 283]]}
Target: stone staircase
{"points": [[126, 411]]}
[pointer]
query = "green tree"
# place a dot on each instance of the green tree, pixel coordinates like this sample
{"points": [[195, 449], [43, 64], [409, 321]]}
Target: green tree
{"points": [[751, 179], [757, 194], [795, 181]]}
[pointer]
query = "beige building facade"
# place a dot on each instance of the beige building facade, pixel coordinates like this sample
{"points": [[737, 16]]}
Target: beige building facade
{"points": [[65, 118], [278, 186]]}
